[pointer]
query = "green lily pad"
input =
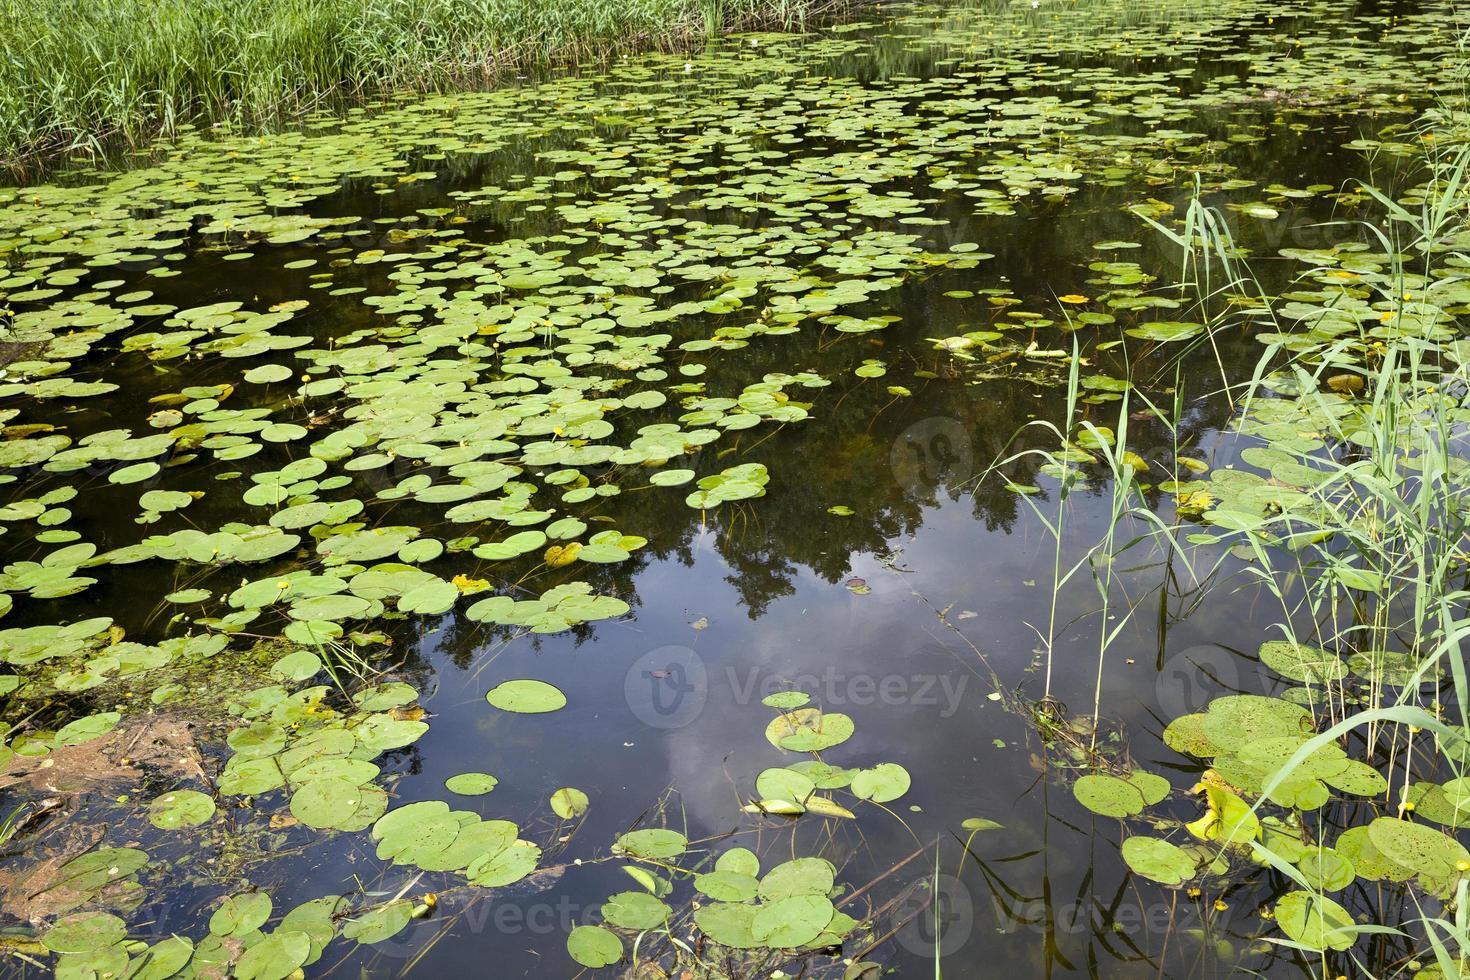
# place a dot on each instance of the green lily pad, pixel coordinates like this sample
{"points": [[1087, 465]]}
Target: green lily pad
{"points": [[728, 924], [727, 886], [84, 932], [380, 923], [791, 922], [526, 696], [471, 783], [1109, 796], [240, 915], [1316, 921], [181, 808], [800, 876], [635, 910], [882, 784], [275, 957], [1158, 860], [656, 844], [594, 947], [569, 803]]}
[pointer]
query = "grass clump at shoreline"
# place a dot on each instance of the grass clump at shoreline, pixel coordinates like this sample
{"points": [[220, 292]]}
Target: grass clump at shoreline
{"points": [[77, 75]]}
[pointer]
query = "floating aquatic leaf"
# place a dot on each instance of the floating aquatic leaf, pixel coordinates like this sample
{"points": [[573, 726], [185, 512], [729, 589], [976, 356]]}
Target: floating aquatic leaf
{"points": [[569, 803], [1316, 921], [656, 845], [727, 886], [239, 915], [740, 861], [729, 924], [471, 783], [981, 823], [86, 729], [268, 374], [1302, 663], [275, 957], [163, 959], [136, 473], [1158, 860], [1326, 869], [181, 808], [1109, 796], [594, 947], [526, 697], [790, 922], [84, 932], [883, 784], [380, 923], [809, 730], [327, 802], [801, 876], [784, 784], [1436, 857], [635, 910], [505, 866]]}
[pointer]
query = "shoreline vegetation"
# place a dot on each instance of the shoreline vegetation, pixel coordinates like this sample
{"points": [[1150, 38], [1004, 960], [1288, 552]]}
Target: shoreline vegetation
{"points": [[1352, 517], [93, 77]]}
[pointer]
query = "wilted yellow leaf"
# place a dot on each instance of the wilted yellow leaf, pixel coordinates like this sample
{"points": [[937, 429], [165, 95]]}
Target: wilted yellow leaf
{"points": [[469, 586], [558, 555]]}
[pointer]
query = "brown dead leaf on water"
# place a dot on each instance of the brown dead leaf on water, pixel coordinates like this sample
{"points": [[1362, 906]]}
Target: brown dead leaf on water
{"points": [[101, 765]]}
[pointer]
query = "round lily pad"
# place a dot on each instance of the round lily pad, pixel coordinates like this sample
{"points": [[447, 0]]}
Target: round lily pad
{"points": [[268, 374], [240, 915], [181, 808], [594, 947], [526, 696], [1316, 921], [882, 784], [635, 910], [275, 957], [1158, 860], [84, 932], [792, 922], [471, 783], [569, 803], [1108, 795], [378, 924], [656, 844]]}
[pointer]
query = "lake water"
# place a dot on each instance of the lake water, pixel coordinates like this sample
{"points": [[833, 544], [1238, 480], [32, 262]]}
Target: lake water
{"points": [[772, 239]]}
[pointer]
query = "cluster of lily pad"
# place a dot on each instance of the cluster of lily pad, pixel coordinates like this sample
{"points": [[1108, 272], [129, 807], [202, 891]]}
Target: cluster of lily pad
{"points": [[1248, 741], [789, 908], [238, 943], [1321, 451]]}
